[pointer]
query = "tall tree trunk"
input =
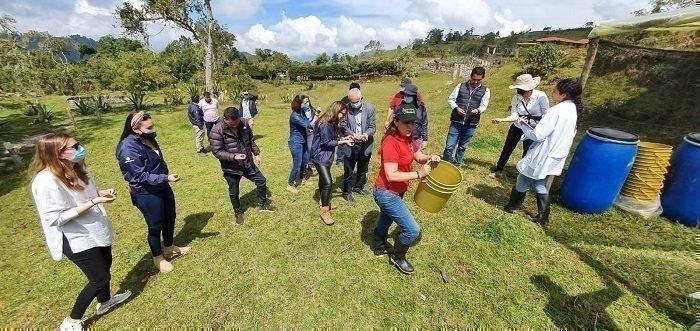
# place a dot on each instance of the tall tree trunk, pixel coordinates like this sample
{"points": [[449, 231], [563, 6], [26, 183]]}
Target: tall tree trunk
{"points": [[208, 49]]}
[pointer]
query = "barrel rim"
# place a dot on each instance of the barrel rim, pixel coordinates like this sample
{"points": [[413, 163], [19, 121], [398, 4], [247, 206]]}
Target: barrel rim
{"points": [[602, 136], [693, 138]]}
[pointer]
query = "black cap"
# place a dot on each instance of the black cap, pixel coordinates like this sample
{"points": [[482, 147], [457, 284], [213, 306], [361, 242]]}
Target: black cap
{"points": [[354, 85], [405, 113], [410, 89], [405, 81]]}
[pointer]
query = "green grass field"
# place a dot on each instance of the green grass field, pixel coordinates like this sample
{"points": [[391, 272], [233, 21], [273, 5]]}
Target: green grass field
{"points": [[608, 271]]}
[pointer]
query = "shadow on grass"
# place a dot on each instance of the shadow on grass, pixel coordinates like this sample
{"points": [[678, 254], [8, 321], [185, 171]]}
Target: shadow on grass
{"points": [[368, 224], [137, 278], [581, 312]]}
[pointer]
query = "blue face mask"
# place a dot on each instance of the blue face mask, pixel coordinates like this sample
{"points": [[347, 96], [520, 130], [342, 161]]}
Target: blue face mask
{"points": [[356, 105], [407, 99], [78, 154], [306, 106]]}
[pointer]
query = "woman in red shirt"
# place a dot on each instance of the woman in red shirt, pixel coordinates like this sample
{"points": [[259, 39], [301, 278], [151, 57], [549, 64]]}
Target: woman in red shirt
{"points": [[398, 151]]}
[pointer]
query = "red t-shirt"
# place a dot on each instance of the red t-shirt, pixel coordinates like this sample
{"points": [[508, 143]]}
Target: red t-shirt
{"points": [[399, 150], [398, 99]]}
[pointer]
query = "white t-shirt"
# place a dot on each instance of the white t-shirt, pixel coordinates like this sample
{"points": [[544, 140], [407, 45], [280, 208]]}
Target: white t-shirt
{"points": [[210, 110]]}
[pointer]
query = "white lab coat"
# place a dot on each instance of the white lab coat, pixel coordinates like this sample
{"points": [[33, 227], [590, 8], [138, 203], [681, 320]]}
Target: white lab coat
{"points": [[553, 137]]}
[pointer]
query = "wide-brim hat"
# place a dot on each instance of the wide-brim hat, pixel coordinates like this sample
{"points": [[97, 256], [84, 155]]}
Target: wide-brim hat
{"points": [[410, 89], [525, 82]]}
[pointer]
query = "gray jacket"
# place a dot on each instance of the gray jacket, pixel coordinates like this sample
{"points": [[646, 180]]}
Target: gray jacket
{"points": [[369, 127]]}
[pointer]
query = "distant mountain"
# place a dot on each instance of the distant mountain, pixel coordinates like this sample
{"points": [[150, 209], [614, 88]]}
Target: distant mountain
{"points": [[73, 55]]}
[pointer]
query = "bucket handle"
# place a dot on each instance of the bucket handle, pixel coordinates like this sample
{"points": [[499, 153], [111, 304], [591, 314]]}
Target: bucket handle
{"points": [[645, 182]]}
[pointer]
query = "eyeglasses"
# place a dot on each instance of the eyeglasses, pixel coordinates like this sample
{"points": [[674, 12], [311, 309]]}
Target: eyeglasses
{"points": [[74, 146]]}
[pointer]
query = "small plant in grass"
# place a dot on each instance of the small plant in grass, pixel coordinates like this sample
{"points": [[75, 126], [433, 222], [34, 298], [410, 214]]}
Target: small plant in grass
{"points": [[193, 90], [505, 232], [486, 143], [83, 106], [44, 115], [286, 98], [138, 100]]}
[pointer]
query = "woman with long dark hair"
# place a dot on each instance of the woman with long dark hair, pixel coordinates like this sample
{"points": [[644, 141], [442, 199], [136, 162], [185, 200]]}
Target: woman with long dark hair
{"points": [[552, 139], [142, 164], [299, 127], [74, 220], [326, 139], [398, 152]]}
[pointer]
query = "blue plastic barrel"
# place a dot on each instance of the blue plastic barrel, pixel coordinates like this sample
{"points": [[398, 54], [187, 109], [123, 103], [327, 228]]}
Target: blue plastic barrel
{"points": [[599, 168], [680, 197]]}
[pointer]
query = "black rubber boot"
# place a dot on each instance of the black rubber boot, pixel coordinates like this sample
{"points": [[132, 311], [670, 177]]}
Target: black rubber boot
{"points": [[398, 258], [379, 244], [516, 199], [543, 203]]}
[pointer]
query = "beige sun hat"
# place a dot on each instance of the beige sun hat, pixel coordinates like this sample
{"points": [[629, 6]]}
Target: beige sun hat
{"points": [[525, 82]]}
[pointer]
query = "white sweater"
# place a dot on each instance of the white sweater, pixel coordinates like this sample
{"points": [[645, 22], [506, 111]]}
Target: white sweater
{"points": [[56, 204]]}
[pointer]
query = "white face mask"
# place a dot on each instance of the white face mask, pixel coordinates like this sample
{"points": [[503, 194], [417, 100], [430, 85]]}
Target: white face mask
{"points": [[356, 105], [407, 99]]}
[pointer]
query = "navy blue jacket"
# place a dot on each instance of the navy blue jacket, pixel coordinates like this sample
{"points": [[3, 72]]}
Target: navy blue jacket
{"points": [[142, 167], [299, 127], [323, 145], [196, 115]]}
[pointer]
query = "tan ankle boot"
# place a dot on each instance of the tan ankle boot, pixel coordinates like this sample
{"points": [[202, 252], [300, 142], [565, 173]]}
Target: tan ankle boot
{"points": [[326, 216], [173, 251], [162, 264], [331, 205]]}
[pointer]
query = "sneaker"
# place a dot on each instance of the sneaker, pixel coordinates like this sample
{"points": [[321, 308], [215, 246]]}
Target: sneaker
{"points": [[267, 208], [239, 218], [361, 191], [348, 197], [70, 324], [292, 189], [103, 308]]}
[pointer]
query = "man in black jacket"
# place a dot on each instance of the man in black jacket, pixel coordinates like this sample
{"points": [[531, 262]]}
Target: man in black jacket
{"points": [[233, 144], [248, 107], [196, 117]]}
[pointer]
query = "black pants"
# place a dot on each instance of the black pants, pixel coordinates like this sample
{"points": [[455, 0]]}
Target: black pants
{"points": [[325, 182], [514, 134], [357, 158], [95, 263], [254, 175], [159, 211], [209, 126]]}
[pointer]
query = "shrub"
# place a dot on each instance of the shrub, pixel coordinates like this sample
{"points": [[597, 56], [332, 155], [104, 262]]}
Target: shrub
{"points": [[138, 100], [192, 89], [44, 115], [173, 96], [541, 60], [84, 107]]}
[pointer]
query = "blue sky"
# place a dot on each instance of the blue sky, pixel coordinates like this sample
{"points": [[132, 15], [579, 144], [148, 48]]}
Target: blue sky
{"points": [[304, 28]]}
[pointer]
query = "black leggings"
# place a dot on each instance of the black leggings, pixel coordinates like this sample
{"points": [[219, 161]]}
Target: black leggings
{"points": [[325, 182], [95, 263], [514, 134]]}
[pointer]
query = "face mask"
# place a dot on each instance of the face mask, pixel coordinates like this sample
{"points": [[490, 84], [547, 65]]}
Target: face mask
{"points": [[356, 105], [408, 99], [306, 106], [78, 154], [149, 134]]}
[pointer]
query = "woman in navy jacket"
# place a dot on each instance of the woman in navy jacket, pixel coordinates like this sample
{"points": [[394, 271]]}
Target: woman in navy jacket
{"points": [[299, 127], [326, 133], [142, 164]]}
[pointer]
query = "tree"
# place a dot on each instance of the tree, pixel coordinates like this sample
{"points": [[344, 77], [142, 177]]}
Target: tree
{"points": [[322, 59], [588, 24], [335, 58], [663, 5], [182, 58], [417, 44], [547, 28], [541, 60], [110, 46], [84, 50], [374, 45], [186, 14], [434, 36]]}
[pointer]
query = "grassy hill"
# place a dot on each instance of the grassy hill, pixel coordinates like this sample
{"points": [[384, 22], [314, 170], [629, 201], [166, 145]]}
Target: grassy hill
{"points": [[607, 271]]}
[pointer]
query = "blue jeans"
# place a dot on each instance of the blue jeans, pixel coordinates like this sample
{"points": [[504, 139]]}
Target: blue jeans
{"points": [[340, 155], [300, 158], [458, 136], [392, 208], [158, 209], [524, 183]]}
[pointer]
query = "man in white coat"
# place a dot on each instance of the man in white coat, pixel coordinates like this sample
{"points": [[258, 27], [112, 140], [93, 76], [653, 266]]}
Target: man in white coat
{"points": [[552, 137]]}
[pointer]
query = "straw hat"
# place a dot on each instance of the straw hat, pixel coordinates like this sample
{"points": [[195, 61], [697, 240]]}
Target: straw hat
{"points": [[525, 82]]}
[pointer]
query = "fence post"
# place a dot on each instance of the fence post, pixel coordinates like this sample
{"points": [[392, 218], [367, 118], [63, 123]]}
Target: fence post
{"points": [[590, 58]]}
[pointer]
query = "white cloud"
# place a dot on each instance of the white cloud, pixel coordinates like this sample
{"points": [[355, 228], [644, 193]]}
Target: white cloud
{"points": [[616, 9], [259, 34], [508, 24]]}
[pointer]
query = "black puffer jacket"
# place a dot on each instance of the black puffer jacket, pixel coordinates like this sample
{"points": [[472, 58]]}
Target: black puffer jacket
{"points": [[225, 145]]}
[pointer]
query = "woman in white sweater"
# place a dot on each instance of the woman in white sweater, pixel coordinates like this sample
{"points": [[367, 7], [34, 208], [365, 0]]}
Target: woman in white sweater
{"points": [[553, 137], [74, 220]]}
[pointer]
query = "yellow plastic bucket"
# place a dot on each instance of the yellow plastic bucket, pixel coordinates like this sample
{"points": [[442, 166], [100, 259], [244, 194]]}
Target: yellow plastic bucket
{"points": [[430, 197], [445, 174]]}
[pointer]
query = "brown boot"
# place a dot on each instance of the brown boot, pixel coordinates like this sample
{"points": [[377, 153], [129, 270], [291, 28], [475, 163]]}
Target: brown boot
{"points": [[162, 264], [332, 206], [173, 251], [326, 216]]}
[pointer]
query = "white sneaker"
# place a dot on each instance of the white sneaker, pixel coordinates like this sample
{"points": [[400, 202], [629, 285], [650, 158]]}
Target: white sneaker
{"points": [[70, 324], [103, 308]]}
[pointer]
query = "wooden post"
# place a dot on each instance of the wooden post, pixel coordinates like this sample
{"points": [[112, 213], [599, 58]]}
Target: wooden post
{"points": [[590, 58]]}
